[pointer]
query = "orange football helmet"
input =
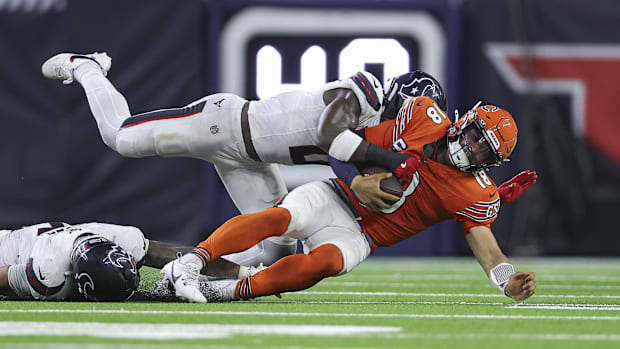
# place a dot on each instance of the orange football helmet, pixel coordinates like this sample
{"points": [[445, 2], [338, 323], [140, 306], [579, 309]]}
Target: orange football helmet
{"points": [[484, 137]]}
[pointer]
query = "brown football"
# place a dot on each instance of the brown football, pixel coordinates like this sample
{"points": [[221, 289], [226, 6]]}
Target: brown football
{"points": [[390, 185]]}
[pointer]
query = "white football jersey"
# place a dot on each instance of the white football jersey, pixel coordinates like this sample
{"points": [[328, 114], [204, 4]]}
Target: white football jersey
{"points": [[42, 255], [284, 127]]}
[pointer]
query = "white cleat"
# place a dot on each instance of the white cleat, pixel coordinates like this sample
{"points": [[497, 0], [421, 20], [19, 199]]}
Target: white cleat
{"points": [[62, 66], [184, 277]]}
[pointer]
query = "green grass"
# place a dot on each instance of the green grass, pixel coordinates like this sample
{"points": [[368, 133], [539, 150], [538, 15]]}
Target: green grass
{"points": [[388, 303]]}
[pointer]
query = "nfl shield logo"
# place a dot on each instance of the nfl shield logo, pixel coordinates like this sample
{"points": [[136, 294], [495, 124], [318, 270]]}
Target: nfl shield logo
{"points": [[215, 129]]}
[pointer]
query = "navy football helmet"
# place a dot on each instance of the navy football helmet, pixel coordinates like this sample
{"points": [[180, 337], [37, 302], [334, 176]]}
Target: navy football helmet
{"points": [[413, 84], [103, 271]]}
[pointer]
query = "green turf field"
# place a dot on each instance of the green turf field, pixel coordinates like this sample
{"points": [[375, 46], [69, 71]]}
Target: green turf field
{"points": [[384, 303]]}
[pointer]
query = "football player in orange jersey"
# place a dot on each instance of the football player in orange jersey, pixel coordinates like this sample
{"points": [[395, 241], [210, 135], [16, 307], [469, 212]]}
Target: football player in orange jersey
{"points": [[448, 181]]}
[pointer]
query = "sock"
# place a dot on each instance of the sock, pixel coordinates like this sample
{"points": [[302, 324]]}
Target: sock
{"points": [[192, 258], [87, 68], [242, 232], [292, 273], [245, 272]]}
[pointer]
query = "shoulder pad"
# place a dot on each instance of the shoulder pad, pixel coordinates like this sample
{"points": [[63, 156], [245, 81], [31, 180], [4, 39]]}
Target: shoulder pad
{"points": [[370, 87]]}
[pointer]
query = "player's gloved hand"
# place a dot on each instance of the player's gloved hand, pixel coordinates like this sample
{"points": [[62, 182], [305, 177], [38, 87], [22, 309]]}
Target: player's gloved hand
{"points": [[521, 286], [368, 191], [510, 190], [408, 168]]}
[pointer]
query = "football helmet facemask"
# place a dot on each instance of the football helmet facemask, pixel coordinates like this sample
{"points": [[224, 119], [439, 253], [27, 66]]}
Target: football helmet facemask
{"points": [[484, 137], [103, 271], [413, 84]]}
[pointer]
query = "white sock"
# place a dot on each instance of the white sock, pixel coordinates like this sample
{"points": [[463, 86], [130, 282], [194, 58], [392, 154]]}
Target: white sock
{"points": [[191, 258], [87, 68], [244, 272]]}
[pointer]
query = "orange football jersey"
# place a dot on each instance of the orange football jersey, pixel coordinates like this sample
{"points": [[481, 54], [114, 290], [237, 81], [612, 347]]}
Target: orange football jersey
{"points": [[437, 192]]}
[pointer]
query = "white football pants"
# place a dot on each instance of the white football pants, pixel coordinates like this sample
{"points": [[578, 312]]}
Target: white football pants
{"points": [[207, 129]]}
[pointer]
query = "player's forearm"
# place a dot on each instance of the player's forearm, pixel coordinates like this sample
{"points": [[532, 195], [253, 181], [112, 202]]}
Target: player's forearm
{"points": [[160, 253], [5, 288], [485, 248], [4, 280], [370, 154]]}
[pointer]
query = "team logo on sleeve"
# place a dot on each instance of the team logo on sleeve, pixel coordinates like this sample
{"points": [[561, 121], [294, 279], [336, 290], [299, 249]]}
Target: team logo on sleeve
{"points": [[399, 145], [481, 211]]}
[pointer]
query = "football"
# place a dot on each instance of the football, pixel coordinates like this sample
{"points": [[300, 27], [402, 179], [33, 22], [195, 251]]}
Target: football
{"points": [[390, 185]]}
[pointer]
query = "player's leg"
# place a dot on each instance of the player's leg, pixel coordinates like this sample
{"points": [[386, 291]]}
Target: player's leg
{"points": [[306, 210], [334, 250], [291, 273], [232, 237], [108, 106], [252, 190]]}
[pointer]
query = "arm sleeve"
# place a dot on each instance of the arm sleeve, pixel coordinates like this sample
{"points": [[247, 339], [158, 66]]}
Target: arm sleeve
{"points": [[345, 171]]}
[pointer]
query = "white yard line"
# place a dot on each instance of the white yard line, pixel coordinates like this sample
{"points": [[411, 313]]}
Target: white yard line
{"points": [[564, 307], [578, 306], [307, 314], [511, 336], [474, 283], [481, 295], [214, 331], [181, 331], [152, 345], [479, 276]]}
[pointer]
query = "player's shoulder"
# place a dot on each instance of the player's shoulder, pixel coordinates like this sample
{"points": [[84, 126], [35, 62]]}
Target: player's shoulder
{"points": [[480, 196], [130, 238], [367, 88], [420, 119]]}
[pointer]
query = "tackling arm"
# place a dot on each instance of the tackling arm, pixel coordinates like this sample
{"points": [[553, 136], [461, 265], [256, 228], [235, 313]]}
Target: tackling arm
{"points": [[5, 289], [160, 253], [520, 285], [335, 136], [341, 114]]}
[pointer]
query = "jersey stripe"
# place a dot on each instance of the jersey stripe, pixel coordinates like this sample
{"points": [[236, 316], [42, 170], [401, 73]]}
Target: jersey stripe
{"points": [[481, 211], [163, 114]]}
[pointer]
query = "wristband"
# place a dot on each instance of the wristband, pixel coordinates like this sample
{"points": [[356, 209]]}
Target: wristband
{"points": [[500, 275], [344, 145]]}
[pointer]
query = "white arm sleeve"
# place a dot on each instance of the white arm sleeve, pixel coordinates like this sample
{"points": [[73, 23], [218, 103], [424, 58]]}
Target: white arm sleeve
{"points": [[344, 145], [18, 281]]}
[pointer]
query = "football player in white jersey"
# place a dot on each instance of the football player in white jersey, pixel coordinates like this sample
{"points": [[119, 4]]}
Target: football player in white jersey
{"points": [[95, 261], [243, 139], [58, 261]]}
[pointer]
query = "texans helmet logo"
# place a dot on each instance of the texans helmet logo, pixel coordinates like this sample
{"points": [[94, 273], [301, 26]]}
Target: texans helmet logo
{"points": [[420, 87], [120, 259]]}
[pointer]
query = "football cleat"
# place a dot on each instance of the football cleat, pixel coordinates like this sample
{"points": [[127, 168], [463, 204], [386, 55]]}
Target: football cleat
{"points": [[184, 278], [62, 66]]}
